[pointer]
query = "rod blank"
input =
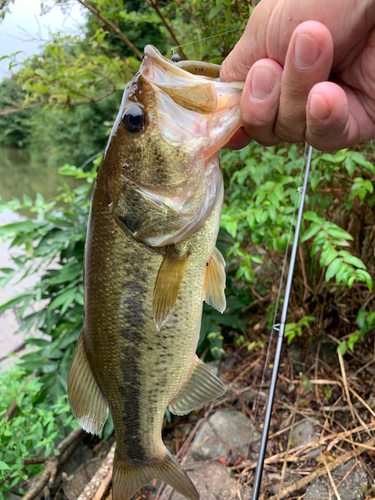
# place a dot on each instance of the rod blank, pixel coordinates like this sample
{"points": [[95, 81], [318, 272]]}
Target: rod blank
{"points": [[281, 329]]}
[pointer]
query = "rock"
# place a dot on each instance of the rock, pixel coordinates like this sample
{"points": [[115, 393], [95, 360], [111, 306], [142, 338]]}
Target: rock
{"points": [[350, 489], [214, 483], [304, 433], [223, 432]]}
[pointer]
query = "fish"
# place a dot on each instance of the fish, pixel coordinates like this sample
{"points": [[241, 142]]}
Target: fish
{"points": [[150, 262]]}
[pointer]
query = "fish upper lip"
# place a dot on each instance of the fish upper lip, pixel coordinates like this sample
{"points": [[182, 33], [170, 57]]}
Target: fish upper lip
{"points": [[153, 53]]}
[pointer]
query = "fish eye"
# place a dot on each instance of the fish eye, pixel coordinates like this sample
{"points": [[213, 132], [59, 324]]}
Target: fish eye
{"points": [[134, 119]]}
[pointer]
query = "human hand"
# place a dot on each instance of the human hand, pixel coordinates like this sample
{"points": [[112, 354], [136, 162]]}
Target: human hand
{"points": [[310, 73]]}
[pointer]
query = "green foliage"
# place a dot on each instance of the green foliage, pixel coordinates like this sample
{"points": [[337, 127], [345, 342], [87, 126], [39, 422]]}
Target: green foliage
{"points": [[294, 329], [79, 74], [77, 133], [260, 196], [258, 214], [328, 238], [366, 323], [14, 127], [4, 7], [94, 66], [33, 432], [54, 242]]}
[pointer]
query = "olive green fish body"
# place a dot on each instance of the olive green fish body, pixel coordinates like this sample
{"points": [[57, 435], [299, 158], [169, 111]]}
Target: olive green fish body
{"points": [[140, 369], [150, 262]]}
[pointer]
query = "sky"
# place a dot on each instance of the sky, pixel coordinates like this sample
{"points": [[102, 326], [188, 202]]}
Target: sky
{"points": [[25, 15]]}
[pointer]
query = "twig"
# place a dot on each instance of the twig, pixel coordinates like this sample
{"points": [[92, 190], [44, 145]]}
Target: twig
{"points": [[353, 410], [113, 27], [304, 448], [99, 483], [243, 372], [9, 111], [32, 461], [345, 381], [184, 6], [319, 472], [331, 478], [363, 402], [155, 6], [48, 474]]}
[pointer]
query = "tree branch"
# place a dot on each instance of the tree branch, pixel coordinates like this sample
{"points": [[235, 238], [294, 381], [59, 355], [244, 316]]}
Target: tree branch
{"points": [[68, 104], [156, 7], [184, 6], [113, 28], [9, 111]]}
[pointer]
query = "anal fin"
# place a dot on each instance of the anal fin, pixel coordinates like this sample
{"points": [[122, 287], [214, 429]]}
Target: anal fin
{"points": [[201, 388], [214, 284], [167, 285], [86, 399]]}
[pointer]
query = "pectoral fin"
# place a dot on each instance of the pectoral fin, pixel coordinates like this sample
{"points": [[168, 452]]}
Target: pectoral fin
{"points": [[167, 285], [201, 388], [86, 399], [214, 284]]}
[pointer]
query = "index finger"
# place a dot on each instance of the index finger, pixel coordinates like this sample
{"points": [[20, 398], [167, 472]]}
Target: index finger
{"points": [[252, 46]]}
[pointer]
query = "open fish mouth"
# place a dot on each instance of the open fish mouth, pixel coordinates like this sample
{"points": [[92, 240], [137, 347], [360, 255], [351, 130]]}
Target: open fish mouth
{"points": [[186, 119], [199, 104]]}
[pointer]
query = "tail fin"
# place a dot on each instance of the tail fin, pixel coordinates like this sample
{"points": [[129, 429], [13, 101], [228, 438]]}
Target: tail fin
{"points": [[127, 480]]}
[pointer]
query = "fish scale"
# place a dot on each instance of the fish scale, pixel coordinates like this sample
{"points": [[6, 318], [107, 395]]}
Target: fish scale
{"points": [[144, 294]]}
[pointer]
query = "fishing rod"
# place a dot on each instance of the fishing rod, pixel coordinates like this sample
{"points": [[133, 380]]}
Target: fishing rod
{"points": [[280, 327]]}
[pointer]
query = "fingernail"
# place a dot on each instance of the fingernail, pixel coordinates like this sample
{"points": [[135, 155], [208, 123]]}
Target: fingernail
{"points": [[306, 52], [319, 107], [262, 82]]}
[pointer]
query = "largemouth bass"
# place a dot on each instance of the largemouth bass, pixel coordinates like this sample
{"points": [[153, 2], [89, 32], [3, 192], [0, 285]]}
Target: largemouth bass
{"points": [[150, 261]]}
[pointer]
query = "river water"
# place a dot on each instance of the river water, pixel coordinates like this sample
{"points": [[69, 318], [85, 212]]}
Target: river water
{"points": [[21, 174]]}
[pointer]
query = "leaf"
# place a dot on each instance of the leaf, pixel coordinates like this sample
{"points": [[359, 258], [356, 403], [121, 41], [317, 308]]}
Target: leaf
{"points": [[359, 158], [257, 259], [350, 259], [331, 255], [17, 227], [337, 232], [311, 216], [342, 347], [214, 12], [333, 268], [40, 72], [350, 166], [65, 299], [310, 232]]}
